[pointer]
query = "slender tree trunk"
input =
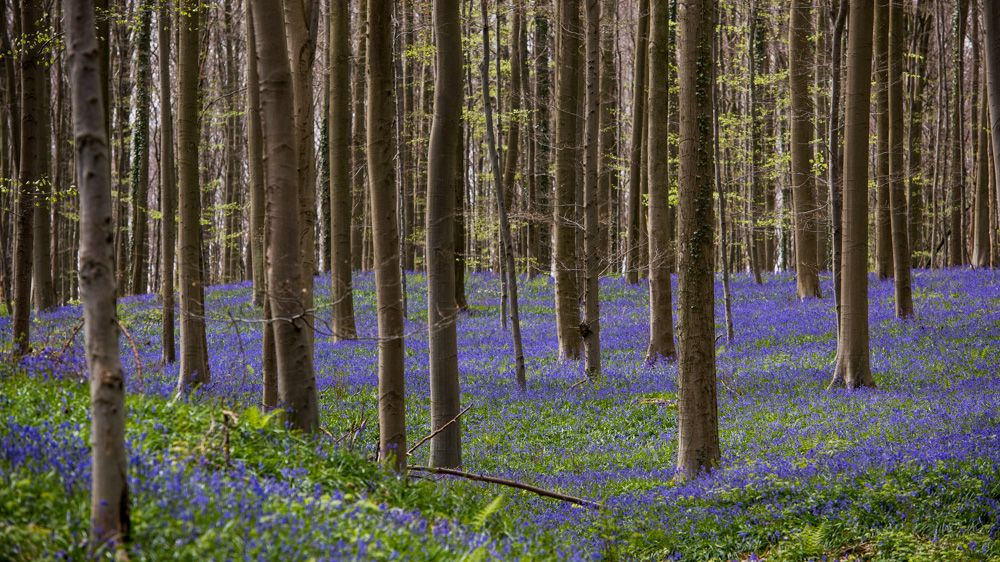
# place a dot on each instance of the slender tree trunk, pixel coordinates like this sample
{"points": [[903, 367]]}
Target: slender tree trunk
{"points": [[514, 95], [883, 212], [725, 248], [661, 321], [140, 156], [991, 34], [590, 329], [956, 247], [341, 284], [194, 349], [255, 165], [543, 158], [607, 183], [42, 288], [109, 458], [755, 44], [29, 174], [289, 301], [915, 172], [820, 148], [698, 421], [168, 186], [567, 76], [981, 224], [407, 126], [505, 234], [853, 367], [359, 168], [802, 179], [897, 171], [381, 152], [638, 118]]}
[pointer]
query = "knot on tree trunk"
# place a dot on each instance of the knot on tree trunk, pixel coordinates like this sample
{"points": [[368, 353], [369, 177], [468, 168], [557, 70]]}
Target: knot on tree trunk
{"points": [[584, 330]]}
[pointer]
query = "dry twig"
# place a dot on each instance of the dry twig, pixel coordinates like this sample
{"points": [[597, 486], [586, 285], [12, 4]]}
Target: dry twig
{"points": [[510, 483]]}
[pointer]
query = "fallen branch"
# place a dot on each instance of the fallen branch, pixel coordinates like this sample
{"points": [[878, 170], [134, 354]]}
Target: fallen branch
{"points": [[579, 382], [135, 352], [72, 337], [438, 430], [509, 483]]}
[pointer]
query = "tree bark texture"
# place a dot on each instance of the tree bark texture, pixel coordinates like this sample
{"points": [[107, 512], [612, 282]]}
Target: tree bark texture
{"points": [[168, 187], [956, 240], [698, 420], [883, 210], [897, 170], [632, 248], [341, 283]]}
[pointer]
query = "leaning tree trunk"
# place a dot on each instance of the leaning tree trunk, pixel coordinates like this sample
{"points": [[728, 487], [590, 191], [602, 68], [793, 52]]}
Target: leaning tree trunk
{"points": [[292, 334], [802, 179], [109, 505], [698, 420], [897, 171], [341, 285], [388, 286], [853, 367], [567, 77], [168, 187], [194, 349], [661, 321]]}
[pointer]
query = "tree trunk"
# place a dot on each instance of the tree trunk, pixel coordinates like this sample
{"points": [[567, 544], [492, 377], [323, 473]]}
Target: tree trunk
{"points": [[542, 116], [883, 212], [109, 506], [168, 187], [382, 177], [567, 77], [140, 156], [341, 284], [981, 223], [289, 301], [661, 321], [991, 34], [755, 44], [590, 329], [698, 432], [29, 175], [956, 246], [915, 172], [359, 169], [638, 118], [42, 288], [802, 179], [255, 165], [897, 171], [607, 183], [853, 367], [194, 349]]}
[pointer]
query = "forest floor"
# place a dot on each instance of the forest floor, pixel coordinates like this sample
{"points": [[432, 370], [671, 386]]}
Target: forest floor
{"points": [[909, 471]]}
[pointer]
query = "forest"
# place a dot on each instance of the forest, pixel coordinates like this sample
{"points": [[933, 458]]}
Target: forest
{"points": [[709, 280]]}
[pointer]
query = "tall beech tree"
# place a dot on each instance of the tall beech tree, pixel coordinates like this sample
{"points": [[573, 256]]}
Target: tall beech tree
{"points": [[802, 179], [661, 321], [698, 447], [981, 204], [853, 366], [255, 166], [639, 75], [194, 349], [168, 187], [140, 155], [956, 237], [385, 231], [109, 498], [991, 34], [564, 216], [341, 285], [446, 446], [29, 170], [883, 212], [590, 329], [286, 290], [897, 171]]}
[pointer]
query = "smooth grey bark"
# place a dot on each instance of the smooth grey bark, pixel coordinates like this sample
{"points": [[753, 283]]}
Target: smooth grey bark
{"points": [[802, 179], [853, 366], [341, 283], [285, 288], [385, 233], [194, 348], [109, 505]]}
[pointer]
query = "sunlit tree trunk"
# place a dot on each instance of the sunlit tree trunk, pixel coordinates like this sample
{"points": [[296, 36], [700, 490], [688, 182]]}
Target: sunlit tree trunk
{"points": [[109, 505], [698, 420]]}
